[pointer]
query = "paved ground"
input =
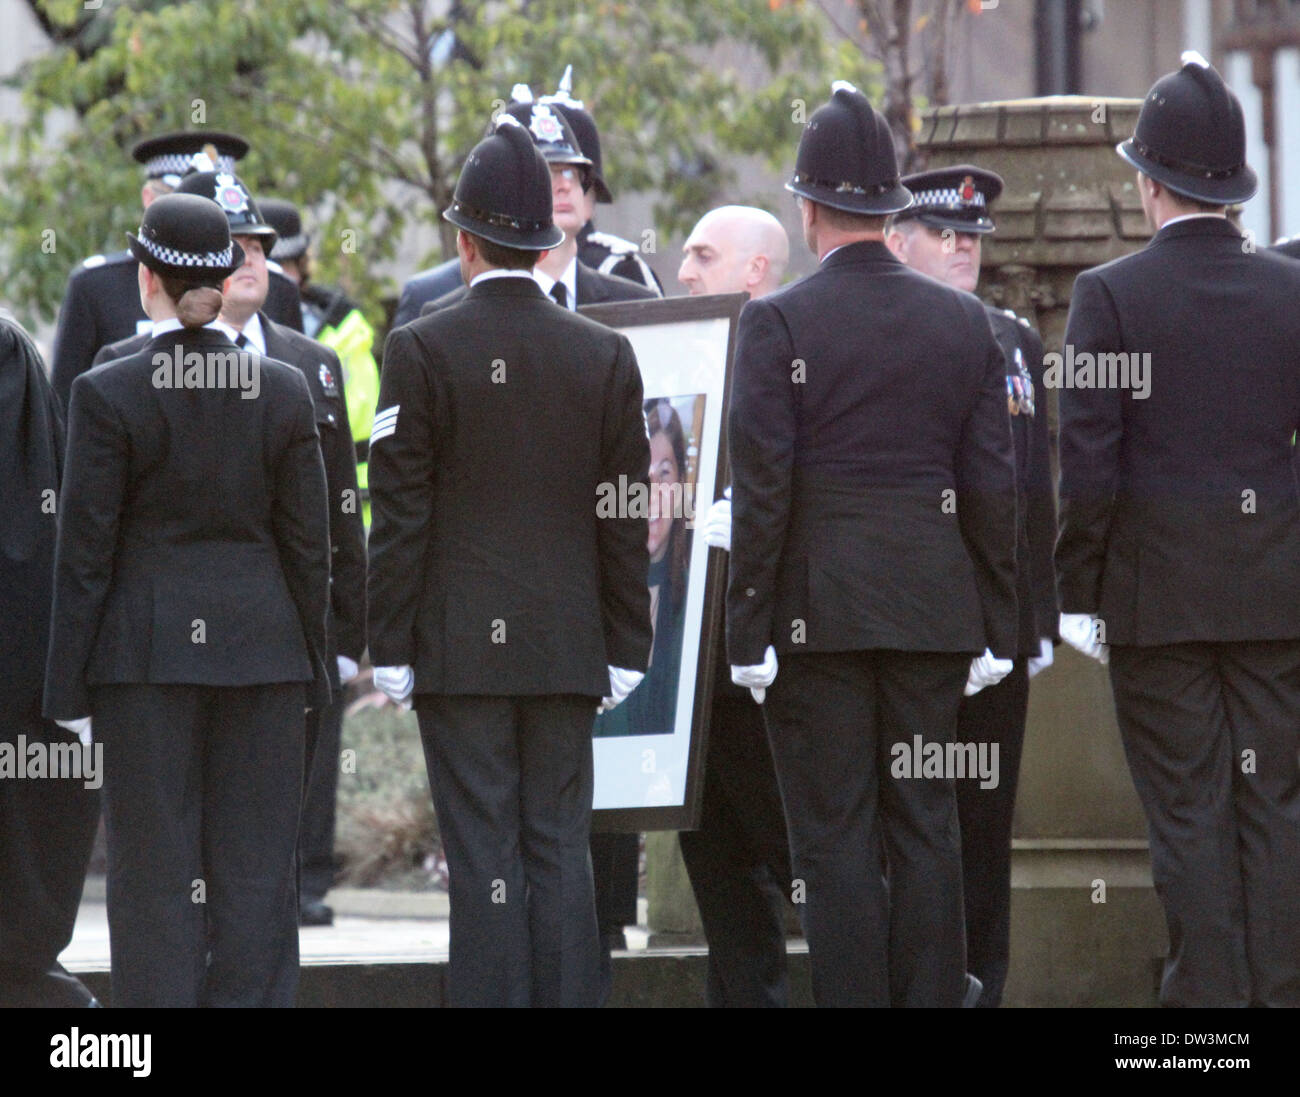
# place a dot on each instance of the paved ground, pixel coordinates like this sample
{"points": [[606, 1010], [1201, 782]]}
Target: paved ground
{"points": [[370, 926]]}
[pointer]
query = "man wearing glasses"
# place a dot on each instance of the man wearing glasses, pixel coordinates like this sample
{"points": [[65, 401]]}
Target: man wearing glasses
{"points": [[561, 274]]}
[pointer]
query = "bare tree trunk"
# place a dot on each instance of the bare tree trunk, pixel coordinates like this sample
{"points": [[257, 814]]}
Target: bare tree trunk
{"points": [[937, 69], [424, 36], [891, 27], [890, 38]]}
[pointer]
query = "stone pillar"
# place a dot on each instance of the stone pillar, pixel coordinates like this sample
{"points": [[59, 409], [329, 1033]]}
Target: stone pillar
{"points": [[1086, 926]]}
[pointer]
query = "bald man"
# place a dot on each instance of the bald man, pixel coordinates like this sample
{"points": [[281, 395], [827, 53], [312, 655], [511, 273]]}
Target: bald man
{"points": [[735, 249], [739, 859]]}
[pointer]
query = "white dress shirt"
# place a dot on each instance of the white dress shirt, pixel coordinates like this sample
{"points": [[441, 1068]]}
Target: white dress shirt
{"points": [[569, 278]]}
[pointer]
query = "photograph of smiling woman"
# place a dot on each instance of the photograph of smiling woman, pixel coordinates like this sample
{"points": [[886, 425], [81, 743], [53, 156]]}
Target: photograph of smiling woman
{"points": [[652, 707]]}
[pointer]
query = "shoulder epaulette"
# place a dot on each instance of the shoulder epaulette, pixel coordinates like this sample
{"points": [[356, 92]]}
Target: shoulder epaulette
{"points": [[616, 244]]}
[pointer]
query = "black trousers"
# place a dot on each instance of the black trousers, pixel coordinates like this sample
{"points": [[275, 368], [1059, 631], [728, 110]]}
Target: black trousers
{"points": [[832, 720], [1211, 732], [512, 786], [994, 715], [615, 872], [319, 803], [739, 861], [615, 863], [47, 829], [202, 791]]}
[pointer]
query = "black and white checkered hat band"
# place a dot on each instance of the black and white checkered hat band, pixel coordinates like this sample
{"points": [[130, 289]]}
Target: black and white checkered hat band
{"points": [[174, 258], [947, 196], [175, 163]]}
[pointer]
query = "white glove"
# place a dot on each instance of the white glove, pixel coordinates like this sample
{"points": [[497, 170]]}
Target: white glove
{"points": [[1043, 659], [396, 684], [347, 670], [621, 683], [986, 670], [1080, 632], [79, 727], [757, 678], [717, 524]]}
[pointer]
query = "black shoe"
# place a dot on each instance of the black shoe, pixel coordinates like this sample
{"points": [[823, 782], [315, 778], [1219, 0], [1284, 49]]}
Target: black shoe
{"points": [[974, 988], [315, 913]]}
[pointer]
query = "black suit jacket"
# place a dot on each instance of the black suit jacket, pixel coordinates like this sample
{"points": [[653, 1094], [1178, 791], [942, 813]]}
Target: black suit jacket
{"points": [[590, 286], [873, 498], [31, 464], [102, 305], [1179, 512], [347, 532], [192, 541], [320, 366], [1036, 503], [492, 570]]}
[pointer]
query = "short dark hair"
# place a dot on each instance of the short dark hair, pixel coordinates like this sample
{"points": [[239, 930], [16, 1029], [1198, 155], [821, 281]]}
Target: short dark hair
{"points": [[1196, 203], [852, 222], [506, 258]]}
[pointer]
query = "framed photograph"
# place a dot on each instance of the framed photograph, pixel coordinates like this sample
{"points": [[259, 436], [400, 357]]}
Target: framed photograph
{"points": [[649, 752]]}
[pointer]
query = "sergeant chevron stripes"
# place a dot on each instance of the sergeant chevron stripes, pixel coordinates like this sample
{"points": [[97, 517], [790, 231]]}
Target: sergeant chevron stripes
{"points": [[385, 423]]}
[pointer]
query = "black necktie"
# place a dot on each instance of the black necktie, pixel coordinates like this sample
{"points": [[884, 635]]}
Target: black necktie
{"points": [[560, 294], [241, 340]]}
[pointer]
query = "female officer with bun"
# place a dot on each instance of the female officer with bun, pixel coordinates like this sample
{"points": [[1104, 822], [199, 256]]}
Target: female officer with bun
{"points": [[191, 579]]}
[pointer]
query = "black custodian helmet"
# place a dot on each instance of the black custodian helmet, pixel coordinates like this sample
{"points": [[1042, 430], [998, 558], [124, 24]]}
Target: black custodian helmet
{"points": [[548, 127], [1191, 136], [584, 129], [846, 157], [187, 236], [504, 191], [229, 192], [282, 215]]}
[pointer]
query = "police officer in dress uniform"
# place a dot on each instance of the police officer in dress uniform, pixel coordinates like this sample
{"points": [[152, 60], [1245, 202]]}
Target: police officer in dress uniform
{"points": [[498, 599], [1179, 551], [188, 630], [47, 825], [873, 547], [602, 253], [571, 283], [331, 318], [102, 303], [562, 275], [939, 235], [244, 296]]}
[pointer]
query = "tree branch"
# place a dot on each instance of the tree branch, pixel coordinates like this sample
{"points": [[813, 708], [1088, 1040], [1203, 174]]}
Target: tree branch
{"points": [[378, 30]]}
